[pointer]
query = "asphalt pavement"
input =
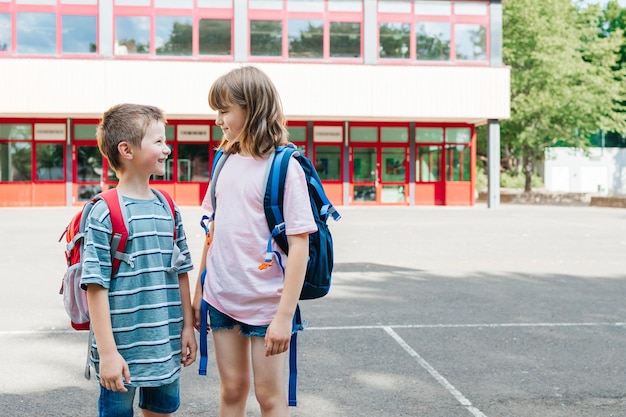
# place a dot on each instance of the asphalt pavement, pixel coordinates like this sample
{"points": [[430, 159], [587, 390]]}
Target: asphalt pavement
{"points": [[434, 311]]}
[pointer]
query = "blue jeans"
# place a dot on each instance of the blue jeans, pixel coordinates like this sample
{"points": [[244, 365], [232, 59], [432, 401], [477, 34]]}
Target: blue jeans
{"points": [[164, 399], [219, 320]]}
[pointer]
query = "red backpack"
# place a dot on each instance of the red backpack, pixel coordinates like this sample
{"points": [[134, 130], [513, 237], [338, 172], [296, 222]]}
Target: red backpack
{"points": [[74, 297]]}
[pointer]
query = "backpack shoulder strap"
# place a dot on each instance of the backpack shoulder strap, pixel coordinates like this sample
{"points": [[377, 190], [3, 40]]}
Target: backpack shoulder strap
{"points": [[119, 228], [167, 201], [275, 191], [218, 162]]}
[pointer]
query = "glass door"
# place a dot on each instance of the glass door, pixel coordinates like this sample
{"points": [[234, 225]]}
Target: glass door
{"points": [[365, 173], [379, 163], [393, 179]]}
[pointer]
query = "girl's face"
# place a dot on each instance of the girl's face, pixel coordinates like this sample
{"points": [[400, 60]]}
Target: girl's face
{"points": [[231, 119]]}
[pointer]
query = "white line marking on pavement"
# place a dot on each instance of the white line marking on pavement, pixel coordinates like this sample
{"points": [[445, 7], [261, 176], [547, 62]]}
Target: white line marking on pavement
{"points": [[433, 372], [393, 326], [460, 326]]}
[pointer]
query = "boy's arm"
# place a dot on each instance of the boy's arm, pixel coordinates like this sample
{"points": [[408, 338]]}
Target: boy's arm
{"points": [[188, 338], [279, 331], [113, 367]]}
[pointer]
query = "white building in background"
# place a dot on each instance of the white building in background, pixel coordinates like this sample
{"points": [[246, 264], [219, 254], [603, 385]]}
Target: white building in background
{"points": [[597, 170], [384, 95]]}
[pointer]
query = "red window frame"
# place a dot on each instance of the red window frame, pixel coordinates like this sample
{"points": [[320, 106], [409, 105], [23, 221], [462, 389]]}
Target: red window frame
{"points": [[60, 10], [196, 14], [327, 16], [452, 18]]}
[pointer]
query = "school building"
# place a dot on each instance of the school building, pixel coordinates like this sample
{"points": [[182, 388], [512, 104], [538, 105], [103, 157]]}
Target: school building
{"points": [[384, 96]]}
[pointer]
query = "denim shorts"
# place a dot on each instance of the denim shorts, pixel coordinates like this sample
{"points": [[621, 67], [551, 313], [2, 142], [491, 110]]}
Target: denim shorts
{"points": [[164, 399], [219, 320]]}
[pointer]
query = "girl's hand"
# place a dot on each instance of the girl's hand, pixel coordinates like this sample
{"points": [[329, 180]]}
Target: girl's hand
{"points": [[278, 336], [197, 300]]}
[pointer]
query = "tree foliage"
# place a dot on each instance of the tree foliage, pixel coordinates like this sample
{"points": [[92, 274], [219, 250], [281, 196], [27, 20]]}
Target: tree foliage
{"points": [[566, 81]]}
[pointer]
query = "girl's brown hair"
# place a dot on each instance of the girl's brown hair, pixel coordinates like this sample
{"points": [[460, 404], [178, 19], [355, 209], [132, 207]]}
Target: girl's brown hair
{"points": [[125, 123], [252, 90]]}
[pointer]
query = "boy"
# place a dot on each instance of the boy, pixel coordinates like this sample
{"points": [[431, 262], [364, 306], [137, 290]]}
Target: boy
{"points": [[142, 316]]}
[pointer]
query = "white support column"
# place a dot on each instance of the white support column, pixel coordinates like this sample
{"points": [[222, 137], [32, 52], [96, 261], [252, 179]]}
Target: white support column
{"points": [[240, 34], [493, 158], [105, 28]]}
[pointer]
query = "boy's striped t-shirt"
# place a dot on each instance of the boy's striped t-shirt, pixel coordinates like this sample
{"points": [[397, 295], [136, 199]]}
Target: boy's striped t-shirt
{"points": [[145, 303]]}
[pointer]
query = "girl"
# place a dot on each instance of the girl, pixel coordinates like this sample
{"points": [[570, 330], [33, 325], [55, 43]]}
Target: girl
{"points": [[251, 310]]}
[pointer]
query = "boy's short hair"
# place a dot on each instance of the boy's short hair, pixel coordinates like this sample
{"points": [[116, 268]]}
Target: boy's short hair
{"points": [[125, 123]]}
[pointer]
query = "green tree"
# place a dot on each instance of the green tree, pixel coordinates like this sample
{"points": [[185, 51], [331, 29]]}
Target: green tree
{"points": [[179, 42], [565, 83]]}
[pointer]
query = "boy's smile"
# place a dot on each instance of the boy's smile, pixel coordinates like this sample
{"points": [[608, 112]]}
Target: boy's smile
{"points": [[151, 157]]}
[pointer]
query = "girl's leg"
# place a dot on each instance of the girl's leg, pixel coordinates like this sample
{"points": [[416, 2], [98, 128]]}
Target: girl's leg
{"points": [[232, 354], [269, 380]]}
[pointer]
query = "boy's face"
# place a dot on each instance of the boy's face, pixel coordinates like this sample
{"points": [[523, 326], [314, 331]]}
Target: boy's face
{"points": [[231, 120], [150, 159]]}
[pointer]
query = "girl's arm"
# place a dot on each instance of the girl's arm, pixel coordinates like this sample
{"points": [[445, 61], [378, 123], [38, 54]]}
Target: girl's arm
{"points": [[113, 367], [279, 331], [197, 297]]}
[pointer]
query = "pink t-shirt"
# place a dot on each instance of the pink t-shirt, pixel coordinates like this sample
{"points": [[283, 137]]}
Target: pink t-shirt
{"points": [[234, 285]]}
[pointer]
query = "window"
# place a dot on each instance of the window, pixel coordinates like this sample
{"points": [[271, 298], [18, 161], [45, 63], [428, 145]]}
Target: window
{"points": [[216, 134], [306, 38], [132, 35], [429, 154], [15, 161], [85, 131], [16, 152], [328, 162], [432, 40], [364, 164], [36, 33], [88, 163], [174, 28], [79, 34], [193, 162], [394, 160], [395, 40], [429, 135], [50, 161], [394, 134], [215, 37], [345, 39], [428, 163], [458, 163], [5, 32], [49, 27], [458, 156], [363, 134], [266, 37], [440, 31], [305, 29], [470, 41], [173, 35]]}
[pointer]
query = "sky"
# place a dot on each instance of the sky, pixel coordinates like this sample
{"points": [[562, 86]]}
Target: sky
{"points": [[603, 2]]}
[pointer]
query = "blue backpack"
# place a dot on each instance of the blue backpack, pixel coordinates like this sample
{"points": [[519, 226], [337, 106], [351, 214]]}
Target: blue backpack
{"points": [[318, 278]]}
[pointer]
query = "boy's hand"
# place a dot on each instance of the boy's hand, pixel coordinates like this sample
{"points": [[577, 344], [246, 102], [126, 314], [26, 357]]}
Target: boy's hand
{"points": [[278, 336], [189, 347], [114, 372]]}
